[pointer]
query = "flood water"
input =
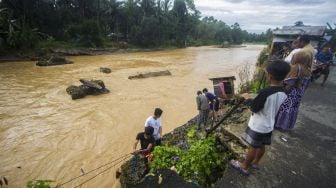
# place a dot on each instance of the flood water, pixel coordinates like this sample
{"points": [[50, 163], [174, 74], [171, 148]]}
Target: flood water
{"points": [[46, 135]]}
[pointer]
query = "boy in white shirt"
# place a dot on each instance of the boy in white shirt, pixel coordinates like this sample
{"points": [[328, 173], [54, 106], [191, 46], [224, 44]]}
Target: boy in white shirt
{"points": [[265, 108], [155, 122]]}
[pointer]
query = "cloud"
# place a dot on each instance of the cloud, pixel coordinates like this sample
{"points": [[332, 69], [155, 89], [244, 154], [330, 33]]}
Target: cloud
{"points": [[259, 15]]}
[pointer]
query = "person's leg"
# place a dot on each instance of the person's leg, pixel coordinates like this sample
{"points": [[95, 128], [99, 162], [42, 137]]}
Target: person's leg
{"points": [[158, 142], [324, 79], [206, 115], [259, 154], [326, 74], [200, 119], [251, 155]]}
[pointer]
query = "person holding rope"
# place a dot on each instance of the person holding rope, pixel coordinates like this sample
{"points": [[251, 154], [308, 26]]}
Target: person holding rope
{"points": [[147, 142]]}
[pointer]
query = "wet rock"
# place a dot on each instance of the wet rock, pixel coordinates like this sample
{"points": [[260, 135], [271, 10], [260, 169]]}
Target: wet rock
{"points": [[133, 171], [165, 178], [150, 74], [105, 70], [55, 60], [76, 92], [89, 87]]}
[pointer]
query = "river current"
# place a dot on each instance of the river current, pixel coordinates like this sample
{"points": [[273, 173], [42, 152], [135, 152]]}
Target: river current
{"points": [[46, 135]]}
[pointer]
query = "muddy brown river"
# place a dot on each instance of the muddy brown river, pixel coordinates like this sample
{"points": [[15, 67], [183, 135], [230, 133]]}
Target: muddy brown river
{"points": [[46, 135]]}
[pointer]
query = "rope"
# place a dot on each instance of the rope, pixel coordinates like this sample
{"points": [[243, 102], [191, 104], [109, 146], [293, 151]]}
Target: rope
{"points": [[72, 179], [100, 173]]}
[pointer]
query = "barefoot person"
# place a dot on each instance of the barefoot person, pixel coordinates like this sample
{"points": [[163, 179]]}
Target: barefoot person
{"points": [[264, 107]]}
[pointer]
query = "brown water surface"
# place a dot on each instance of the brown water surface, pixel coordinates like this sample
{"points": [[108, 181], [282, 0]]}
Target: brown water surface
{"points": [[46, 135]]}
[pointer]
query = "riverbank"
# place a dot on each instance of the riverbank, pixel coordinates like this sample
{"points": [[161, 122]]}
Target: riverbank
{"points": [[74, 51], [78, 52]]}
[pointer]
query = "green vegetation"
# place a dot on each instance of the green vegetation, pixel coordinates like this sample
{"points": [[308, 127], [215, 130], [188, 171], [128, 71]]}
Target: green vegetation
{"points": [[198, 164], [24, 24], [39, 184], [258, 80]]}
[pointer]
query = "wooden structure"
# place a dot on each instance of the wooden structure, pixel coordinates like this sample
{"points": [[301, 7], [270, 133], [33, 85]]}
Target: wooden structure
{"points": [[287, 34], [227, 82]]}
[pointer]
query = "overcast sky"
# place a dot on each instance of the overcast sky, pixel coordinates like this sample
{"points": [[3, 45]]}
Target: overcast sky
{"points": [[259, 15]]}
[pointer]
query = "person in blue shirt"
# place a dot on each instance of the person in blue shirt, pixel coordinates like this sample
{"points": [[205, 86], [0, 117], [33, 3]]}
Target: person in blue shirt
{"points": [[323, 60], [213, 103]]}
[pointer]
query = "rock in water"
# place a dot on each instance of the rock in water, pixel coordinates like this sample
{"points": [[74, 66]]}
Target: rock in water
{"points": [[76, 92], [150, 74], [55, 60], [90, 84], [105, 70], [89, 87]]}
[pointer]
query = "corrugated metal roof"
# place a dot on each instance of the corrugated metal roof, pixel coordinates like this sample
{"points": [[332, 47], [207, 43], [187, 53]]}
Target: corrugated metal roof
{"points": [[224, 78], [300, 30]]}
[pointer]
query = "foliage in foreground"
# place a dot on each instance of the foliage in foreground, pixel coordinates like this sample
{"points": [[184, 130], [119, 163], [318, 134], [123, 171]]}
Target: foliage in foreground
{"points": [[196, 164]]}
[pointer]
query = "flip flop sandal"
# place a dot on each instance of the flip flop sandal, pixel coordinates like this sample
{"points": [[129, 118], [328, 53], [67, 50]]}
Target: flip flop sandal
{"points": [[236, 165], [255, 167]]}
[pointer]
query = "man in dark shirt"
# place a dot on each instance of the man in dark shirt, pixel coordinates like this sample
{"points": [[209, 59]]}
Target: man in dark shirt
{"points": [[147, 141]]}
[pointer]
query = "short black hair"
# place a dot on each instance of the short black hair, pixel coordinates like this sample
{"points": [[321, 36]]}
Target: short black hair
{"points": [[158, 112], [199, 92], [205, 90], [278, 69], [287, 44], [149, 130], [304, 38]]}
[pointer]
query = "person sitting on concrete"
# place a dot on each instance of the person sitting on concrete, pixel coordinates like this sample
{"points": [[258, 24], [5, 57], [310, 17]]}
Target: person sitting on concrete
{"points": [[147, 142], [213, 104], [155, 122], [203, 108], [264, 107]]}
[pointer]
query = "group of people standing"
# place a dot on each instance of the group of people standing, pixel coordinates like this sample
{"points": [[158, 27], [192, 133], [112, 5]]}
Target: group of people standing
{"points": [[321, 58], [276, 107], [207, 104]]}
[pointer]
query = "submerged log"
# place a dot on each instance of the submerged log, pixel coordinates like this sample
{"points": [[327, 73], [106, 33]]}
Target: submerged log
{"points": [[55, 60], [89, 87], [150, 74]]}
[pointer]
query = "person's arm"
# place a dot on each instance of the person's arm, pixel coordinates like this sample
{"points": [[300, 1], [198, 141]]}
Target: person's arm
{"points": [[258, 103], [149, 147], [160, 130], [198, 101], [135, 145]]}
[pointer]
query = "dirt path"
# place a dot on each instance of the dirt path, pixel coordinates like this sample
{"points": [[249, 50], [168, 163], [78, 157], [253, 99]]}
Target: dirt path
{"points": [[308, 158]]}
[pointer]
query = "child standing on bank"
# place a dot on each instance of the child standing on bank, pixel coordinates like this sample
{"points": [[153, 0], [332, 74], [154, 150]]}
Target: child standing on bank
{"points": [[265, 108]]}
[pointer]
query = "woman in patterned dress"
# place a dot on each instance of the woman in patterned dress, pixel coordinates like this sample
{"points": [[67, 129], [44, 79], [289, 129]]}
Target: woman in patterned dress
{"points": [[295, 84]]}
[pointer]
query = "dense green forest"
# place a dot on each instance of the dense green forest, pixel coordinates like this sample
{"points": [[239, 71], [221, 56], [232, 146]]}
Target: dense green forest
{"points": [[26, 24]]}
